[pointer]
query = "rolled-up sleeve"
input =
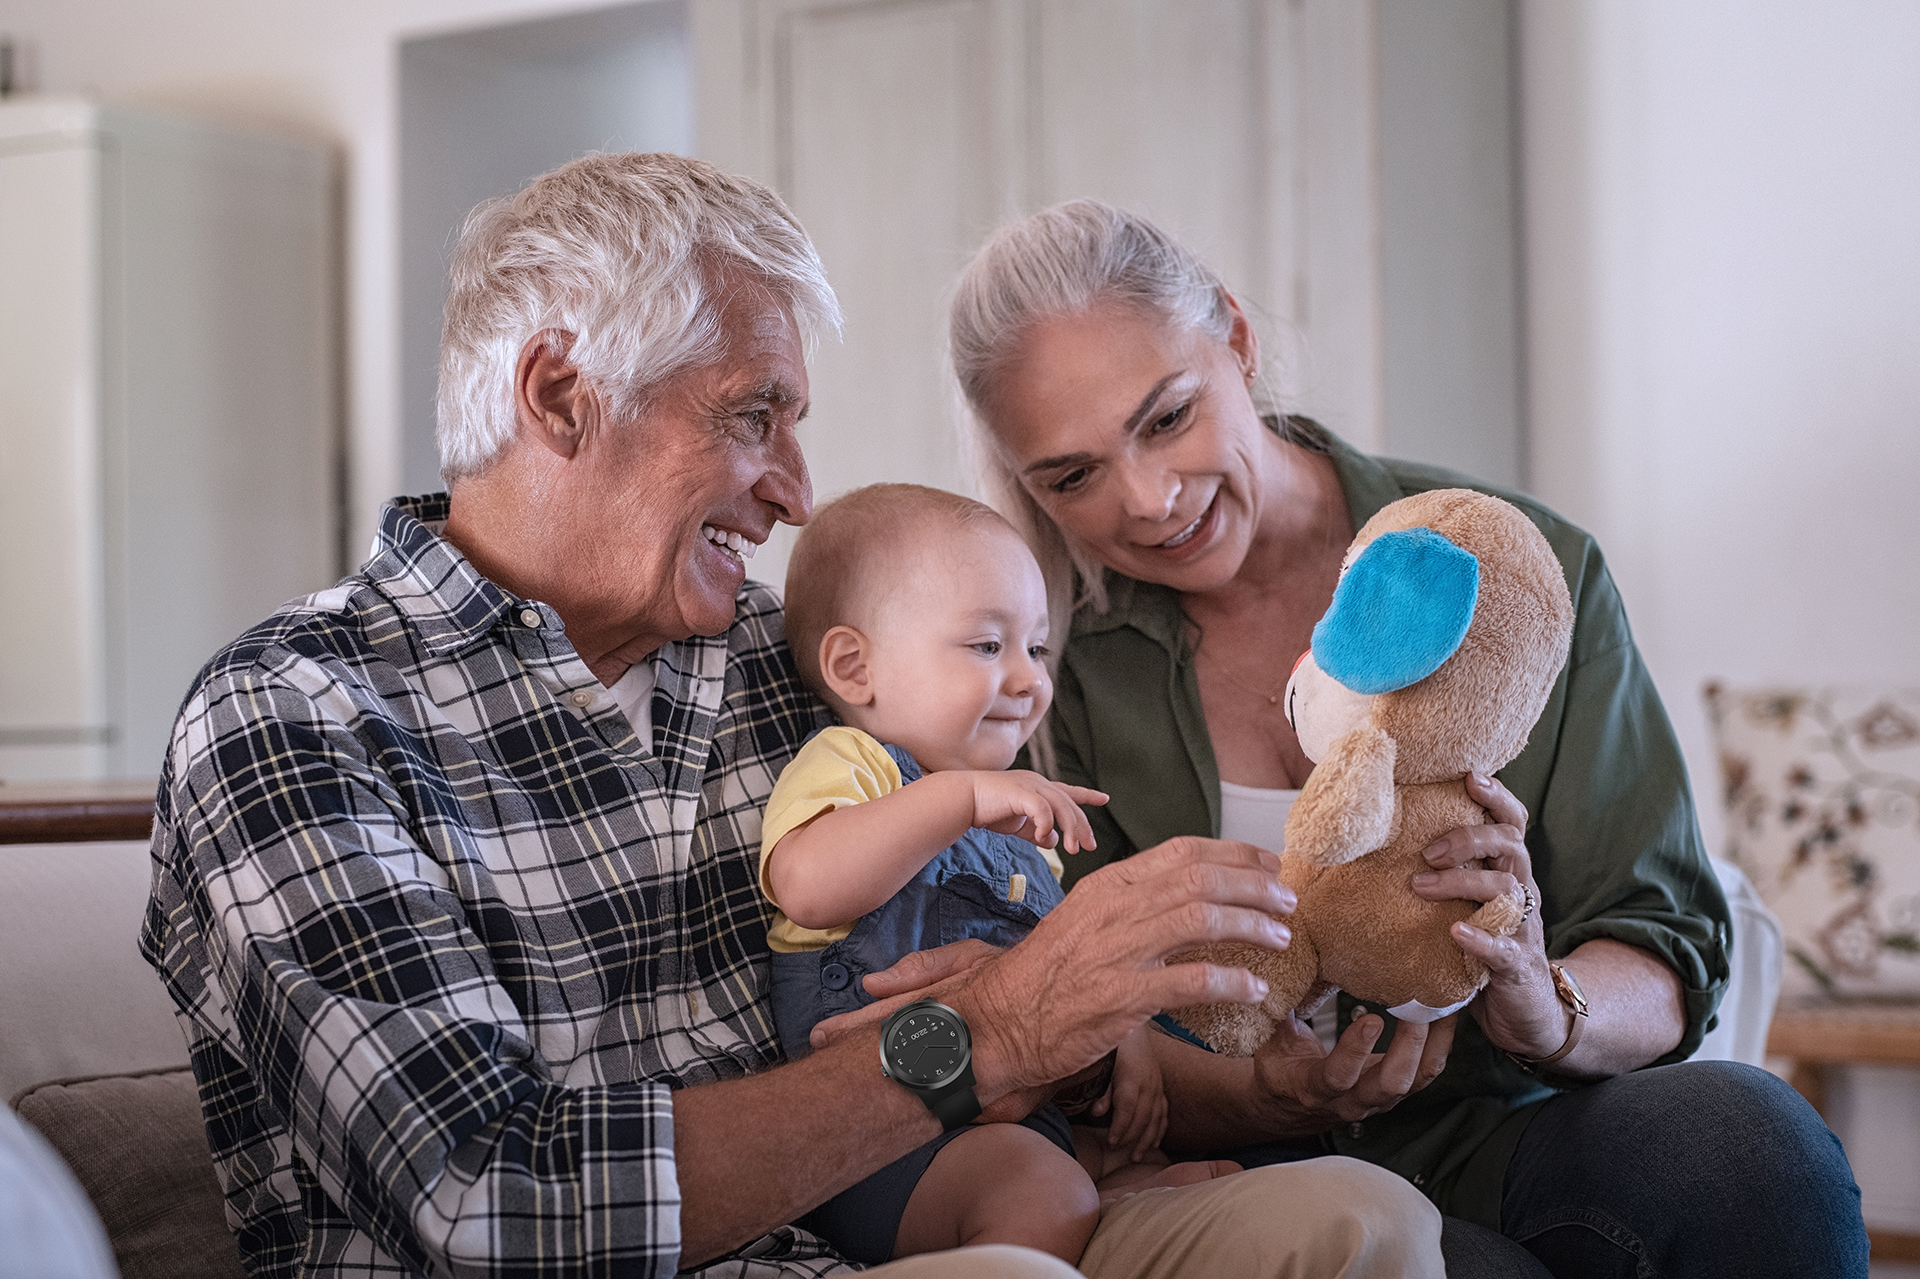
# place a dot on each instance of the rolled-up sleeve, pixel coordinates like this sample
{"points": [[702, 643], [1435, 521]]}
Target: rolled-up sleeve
{"points": [[1615, 840]]}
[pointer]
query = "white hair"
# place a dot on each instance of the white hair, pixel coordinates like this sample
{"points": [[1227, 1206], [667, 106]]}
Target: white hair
{"points": [[1065, 261], [622, 254], [1059, 262]]}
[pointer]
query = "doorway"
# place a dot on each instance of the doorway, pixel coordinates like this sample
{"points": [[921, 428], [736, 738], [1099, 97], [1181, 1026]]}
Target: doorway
{"points": [[481, 112]]}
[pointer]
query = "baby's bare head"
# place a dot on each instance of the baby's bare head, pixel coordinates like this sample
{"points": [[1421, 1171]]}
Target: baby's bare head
{"points": [[861, 548]]}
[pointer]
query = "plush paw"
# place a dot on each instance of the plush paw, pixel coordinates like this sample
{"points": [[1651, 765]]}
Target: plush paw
{"points": [[1502, 916]]}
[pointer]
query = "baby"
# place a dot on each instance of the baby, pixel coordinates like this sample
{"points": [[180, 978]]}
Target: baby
{"points": [[921, 617]]}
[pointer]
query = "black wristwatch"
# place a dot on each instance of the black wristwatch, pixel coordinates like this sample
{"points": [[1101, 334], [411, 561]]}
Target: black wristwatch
{"points": [[925, 1047]]}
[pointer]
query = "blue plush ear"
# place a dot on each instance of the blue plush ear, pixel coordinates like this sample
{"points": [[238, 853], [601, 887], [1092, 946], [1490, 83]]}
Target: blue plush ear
{"points": [[1400, 611]]}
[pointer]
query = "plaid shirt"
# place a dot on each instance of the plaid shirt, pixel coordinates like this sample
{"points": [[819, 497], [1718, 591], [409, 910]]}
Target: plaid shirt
{"points": [[444, 934]]}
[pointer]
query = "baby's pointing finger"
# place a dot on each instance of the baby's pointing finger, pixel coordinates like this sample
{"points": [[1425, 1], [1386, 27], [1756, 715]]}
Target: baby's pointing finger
{"points": [[1040, 813], [1080, 831]]}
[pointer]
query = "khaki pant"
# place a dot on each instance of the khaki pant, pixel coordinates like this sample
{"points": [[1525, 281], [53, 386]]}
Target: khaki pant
{"points": [[1330, 1218]]}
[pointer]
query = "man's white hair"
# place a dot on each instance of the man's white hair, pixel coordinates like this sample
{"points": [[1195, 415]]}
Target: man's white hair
{"points": [[624, 253]]}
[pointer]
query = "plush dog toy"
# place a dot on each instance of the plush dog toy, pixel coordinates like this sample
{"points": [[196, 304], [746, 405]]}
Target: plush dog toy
{"points": [[1447, 630]]}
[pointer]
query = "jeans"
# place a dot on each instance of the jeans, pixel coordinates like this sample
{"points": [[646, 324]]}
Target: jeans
{"points": [[1694, 1171]]}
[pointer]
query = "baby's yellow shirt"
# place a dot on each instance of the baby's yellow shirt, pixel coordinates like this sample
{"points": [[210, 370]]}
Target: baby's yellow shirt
{"points": [[839, 767]]}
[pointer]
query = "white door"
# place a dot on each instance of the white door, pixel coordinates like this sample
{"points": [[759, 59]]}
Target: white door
{"points": [[903, 131]]}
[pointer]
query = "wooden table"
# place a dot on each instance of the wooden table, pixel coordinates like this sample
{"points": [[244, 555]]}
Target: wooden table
{"points": [[1815, 1036], [75, 812]]}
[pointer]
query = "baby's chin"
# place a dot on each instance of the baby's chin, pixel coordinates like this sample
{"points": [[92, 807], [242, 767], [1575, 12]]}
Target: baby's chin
{"points": [[976, 756]]}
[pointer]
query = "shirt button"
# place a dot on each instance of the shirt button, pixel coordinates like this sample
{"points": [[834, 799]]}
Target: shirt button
{"points": [[834, 976], [1354, 1130], [530, 617], [580, 698]]}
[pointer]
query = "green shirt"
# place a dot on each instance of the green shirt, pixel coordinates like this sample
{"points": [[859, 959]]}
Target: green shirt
{"points": [[1615, 845]]}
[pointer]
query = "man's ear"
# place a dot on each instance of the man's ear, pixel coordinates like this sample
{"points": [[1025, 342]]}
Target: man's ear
{"points": [[550, 399], [1242, 340], [844, 657]]}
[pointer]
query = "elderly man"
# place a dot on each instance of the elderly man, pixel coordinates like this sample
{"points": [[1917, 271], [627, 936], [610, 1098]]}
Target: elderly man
{"points": [[455, 862]]}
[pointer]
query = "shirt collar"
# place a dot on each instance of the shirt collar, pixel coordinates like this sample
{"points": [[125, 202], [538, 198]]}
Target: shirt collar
{"points": [[426, 578]]}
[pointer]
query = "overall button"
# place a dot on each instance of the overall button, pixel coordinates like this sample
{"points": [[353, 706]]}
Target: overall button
{"points": [[835, 976]]}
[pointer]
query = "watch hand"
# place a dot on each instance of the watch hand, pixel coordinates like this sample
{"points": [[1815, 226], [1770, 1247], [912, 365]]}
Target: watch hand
{"points": [[920, 1054]]}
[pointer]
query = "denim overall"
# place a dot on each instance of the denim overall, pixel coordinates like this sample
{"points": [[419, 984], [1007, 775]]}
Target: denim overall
{"points": [[961, 893]]}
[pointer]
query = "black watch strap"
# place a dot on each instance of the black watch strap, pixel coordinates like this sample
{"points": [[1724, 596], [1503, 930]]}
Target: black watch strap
{"points": [[954, 1106]]}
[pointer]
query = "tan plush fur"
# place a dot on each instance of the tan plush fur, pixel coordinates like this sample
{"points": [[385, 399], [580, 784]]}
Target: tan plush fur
{"points": [[1385, 789]]}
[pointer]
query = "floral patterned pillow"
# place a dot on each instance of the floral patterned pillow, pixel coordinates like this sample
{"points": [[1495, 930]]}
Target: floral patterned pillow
{"points": [[1822, 792]]}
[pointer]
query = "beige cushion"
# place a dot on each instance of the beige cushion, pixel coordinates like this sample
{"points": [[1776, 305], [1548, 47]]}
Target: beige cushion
{"points": [[77, 998], [1822, 789], [139, 1149]]}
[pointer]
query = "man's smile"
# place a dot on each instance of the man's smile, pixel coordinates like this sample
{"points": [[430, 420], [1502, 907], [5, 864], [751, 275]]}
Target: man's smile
{"points": [[740, 546]]}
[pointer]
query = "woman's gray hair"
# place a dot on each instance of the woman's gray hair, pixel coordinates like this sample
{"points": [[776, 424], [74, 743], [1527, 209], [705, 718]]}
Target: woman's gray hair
{"points": [[626, 253], [1059, 262]]}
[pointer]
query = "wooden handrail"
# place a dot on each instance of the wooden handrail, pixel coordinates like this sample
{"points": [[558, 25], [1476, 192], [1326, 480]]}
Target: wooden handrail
{"points": [[75, 812], [1860, 1034], [1815, 1036]]}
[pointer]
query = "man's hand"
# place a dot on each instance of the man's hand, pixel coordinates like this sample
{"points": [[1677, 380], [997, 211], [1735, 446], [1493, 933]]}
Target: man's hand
{"points": [[920, 975], [1095, 968], [929, 974], [1033, 808]]}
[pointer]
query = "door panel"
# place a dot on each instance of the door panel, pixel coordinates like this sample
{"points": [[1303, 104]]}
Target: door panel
{"points": [[903, 131]]}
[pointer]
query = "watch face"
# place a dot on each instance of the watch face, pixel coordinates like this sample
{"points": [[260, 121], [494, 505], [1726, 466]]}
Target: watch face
{"points": [[1568, 988], [925, 1048]]}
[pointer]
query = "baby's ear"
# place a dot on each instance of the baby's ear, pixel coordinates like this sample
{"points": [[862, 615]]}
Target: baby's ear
{"points": [[844, 654]]}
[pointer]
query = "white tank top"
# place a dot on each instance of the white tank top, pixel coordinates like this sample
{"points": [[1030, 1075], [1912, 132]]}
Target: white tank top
{"points": [[1258, 816], [1254, 815]]}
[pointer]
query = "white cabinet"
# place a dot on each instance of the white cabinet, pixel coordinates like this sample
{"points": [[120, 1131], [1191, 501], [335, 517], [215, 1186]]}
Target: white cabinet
{"points": [[168, 424]]}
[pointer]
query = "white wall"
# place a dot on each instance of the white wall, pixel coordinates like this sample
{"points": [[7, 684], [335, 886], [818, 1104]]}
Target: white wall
{"points": [[1449, 243], [326, 72], [481, 112], [1723, 294]]}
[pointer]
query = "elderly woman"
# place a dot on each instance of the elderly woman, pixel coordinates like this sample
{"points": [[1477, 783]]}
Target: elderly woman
{"points": [[1195, 541]]}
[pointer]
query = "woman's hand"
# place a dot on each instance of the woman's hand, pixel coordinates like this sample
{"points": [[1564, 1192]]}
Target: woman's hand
{"points": [[1636, 1005], [1319, 1089], [1137, 1097], [1518, 1010]]}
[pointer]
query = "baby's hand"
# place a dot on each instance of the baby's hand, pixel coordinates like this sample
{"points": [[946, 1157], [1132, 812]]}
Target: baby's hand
{"points": [[1137, 1098], [1037, 810]]}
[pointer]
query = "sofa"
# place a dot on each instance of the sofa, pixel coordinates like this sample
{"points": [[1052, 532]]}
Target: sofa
{"points": [[91, 1056]]}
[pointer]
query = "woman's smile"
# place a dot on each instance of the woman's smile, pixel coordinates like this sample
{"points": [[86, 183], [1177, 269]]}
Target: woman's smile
{"points": [[1196, 533]]}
